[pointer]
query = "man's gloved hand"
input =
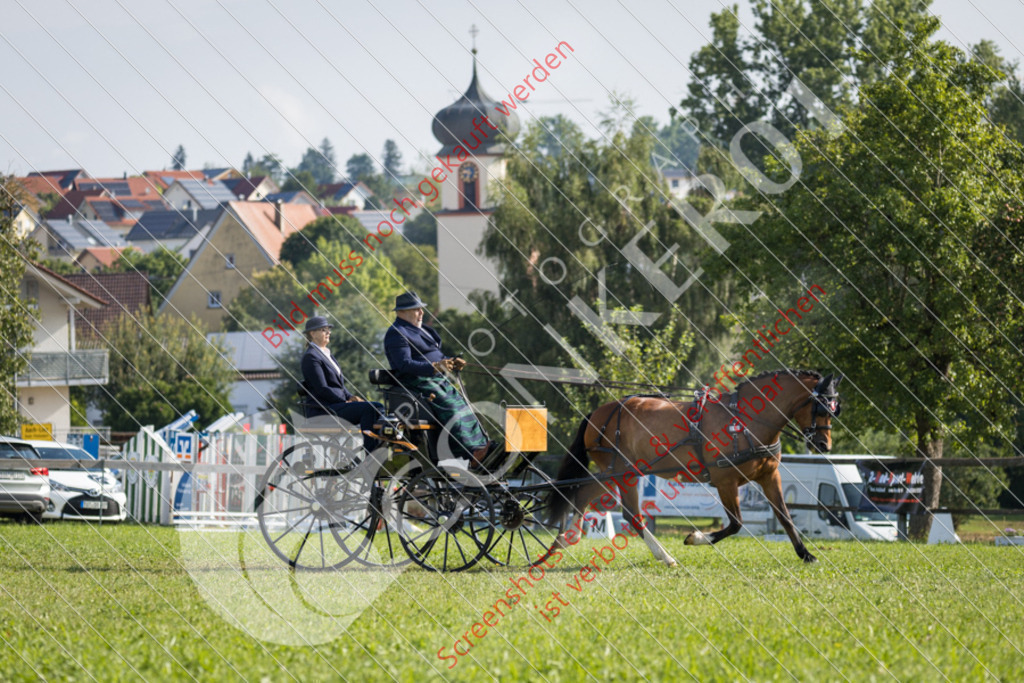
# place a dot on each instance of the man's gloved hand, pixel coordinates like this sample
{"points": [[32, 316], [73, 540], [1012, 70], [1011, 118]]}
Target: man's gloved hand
{"points": [[458, 363], [442, 366]]}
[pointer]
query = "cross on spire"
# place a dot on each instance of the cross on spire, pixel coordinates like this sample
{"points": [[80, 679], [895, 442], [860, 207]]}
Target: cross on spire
{"points": [[473, 30]]}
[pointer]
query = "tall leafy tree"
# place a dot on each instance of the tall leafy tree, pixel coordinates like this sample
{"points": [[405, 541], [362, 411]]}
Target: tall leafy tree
{"points": [[162, 266], [1006, 103], [15, 318], [910, 220], [178, 159], [391, 158], [300, 179], [319, 163], [360, 167], [160, 368], [562, 224]]}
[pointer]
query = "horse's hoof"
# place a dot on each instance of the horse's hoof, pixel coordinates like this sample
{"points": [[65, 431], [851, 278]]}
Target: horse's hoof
{"points": [[810, 559], [672, 562], [697, 538]]}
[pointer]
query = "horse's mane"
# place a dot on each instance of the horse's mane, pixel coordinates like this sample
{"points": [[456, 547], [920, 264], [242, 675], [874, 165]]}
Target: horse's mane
{"points": [[787, 371]]}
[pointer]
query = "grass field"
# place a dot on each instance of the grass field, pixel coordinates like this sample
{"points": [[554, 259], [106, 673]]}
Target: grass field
{"points": [[126, 602]]}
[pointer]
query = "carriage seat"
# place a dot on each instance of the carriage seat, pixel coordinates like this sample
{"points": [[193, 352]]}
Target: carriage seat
{"points": [[411, 407]]}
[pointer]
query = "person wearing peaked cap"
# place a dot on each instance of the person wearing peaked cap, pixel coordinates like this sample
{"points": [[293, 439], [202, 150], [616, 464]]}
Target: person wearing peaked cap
{"points": [[417, 361], [324, 383]]}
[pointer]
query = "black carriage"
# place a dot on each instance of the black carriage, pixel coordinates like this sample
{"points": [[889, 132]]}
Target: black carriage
{"points": [[326, 504]]}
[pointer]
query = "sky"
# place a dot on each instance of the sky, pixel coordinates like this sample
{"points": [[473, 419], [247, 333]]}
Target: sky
{"points": [[114, 86]]}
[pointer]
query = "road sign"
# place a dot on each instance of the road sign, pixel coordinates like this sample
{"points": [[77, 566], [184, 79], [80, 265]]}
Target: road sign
{"points": [[42, 432]]}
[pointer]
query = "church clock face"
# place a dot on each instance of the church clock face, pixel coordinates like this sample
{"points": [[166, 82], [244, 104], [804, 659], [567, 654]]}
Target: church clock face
{"points": [[468, 173]]}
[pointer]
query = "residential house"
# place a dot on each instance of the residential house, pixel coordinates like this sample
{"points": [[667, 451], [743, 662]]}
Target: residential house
{"points": [[345, 194], [252, 189], [120, 213], [680, 181], [55, 362], [95, 259], [185, 194], [58, 182], [212, 174], [161, 180], [70, 204], [252, 356], [180, 231], [65, 239], [292, 197], [136, 186], [127, 293], [246, 239], [26, 221]]}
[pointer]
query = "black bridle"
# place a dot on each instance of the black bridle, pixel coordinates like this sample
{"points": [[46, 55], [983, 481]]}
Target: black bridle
{"points": [[826, 403]]}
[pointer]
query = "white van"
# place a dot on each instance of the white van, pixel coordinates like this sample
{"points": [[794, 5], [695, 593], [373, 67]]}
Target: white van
{"points": [[829, 480]]}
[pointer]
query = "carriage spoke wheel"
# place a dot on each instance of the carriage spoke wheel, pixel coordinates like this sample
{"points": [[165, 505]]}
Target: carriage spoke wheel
{"points": [[378, 522], [444, 525], [307, 507], [524, 533]]}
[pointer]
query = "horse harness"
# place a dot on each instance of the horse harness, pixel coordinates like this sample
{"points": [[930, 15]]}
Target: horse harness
{"points": [[696, 437]]}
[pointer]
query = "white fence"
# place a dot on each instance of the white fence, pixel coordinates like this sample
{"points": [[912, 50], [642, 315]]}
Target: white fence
{"points": [[179, 481]]}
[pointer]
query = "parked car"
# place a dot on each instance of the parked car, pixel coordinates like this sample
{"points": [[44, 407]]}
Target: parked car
{"points": [[24, 492], [89, 494]]}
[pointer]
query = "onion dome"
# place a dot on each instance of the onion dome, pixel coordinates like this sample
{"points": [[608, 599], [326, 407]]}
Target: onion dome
{"points": [[454, 126]]}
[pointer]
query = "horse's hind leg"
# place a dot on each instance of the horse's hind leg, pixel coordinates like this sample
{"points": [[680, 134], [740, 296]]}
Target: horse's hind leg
{"points": [[771, 484], [630, 508]]}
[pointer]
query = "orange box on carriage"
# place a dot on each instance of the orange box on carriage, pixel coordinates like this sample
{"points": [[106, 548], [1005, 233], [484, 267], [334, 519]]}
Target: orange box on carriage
{"points": [[526, 429]]}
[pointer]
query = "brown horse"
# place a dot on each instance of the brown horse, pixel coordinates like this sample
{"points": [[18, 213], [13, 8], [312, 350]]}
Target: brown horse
{"points": [[732, 437]]}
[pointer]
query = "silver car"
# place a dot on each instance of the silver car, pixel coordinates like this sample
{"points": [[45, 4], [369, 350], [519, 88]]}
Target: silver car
{"points": [[24, 491]]}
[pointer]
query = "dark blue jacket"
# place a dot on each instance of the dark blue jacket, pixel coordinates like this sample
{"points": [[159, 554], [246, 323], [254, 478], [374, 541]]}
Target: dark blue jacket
{"points": [[321, 381], [411, 350]]}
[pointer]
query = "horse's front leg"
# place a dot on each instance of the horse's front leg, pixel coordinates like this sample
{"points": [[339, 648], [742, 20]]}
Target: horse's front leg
{"points": [[771, 484], [729, 493]]}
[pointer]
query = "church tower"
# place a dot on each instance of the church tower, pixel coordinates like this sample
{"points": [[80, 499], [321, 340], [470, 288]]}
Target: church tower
{"points": [[468, 132]]}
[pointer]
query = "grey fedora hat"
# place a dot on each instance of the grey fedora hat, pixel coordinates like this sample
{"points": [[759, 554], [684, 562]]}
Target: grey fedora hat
{"points": [[317, 322], [408, 301]]}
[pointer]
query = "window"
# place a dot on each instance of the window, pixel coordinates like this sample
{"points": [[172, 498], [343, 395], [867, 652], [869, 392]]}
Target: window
{"points": [[675, 182], [469, 179], [213, 300], [229, 261]]}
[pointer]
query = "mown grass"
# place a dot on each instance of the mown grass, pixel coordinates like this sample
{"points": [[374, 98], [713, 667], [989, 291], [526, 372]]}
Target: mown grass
{"points": [[119, 603]]}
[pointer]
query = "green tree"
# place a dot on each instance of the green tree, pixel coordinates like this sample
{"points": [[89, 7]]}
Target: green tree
{"points": [[422, 229], [907, 219], [162, 266], [581, 208], [391, 159], [678, 145], [299, 179], [60, 266], [318, 163], [1006, 104], [160, 368], [16, 319], [268, 165], [360, 167], [178, 160]]}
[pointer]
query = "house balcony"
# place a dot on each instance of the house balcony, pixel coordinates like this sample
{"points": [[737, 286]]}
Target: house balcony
{"points": [[66, 369]]}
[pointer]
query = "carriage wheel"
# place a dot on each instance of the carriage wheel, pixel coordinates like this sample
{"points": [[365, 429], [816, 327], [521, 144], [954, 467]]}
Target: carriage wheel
{"points": [[378, 522], [524, 534], [306, 505], [444, 525]]}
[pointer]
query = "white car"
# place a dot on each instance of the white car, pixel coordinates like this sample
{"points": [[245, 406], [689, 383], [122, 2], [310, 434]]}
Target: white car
{"points": [[87, 494], [24, 491]]}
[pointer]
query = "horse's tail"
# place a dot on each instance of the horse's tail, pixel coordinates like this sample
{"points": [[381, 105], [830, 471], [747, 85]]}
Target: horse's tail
{"points": [[573, 466]]}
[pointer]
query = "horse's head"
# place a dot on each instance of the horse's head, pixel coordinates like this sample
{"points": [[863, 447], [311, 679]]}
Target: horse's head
{"points": [[815, 415]]}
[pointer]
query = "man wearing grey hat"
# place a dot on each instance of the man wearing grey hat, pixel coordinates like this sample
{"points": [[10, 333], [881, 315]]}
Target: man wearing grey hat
{"points": [[418, 362], [324, 383]]}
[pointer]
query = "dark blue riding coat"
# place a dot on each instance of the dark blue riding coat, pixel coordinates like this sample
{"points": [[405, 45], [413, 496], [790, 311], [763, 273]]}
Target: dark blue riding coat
{"points": [[325, 384], [411, 350]]}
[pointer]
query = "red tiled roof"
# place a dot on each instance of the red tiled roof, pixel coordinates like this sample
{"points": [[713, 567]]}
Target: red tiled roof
{"points": [[105, 255], [127, 292], [38, 185], [259, 217], [66, 280]]}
